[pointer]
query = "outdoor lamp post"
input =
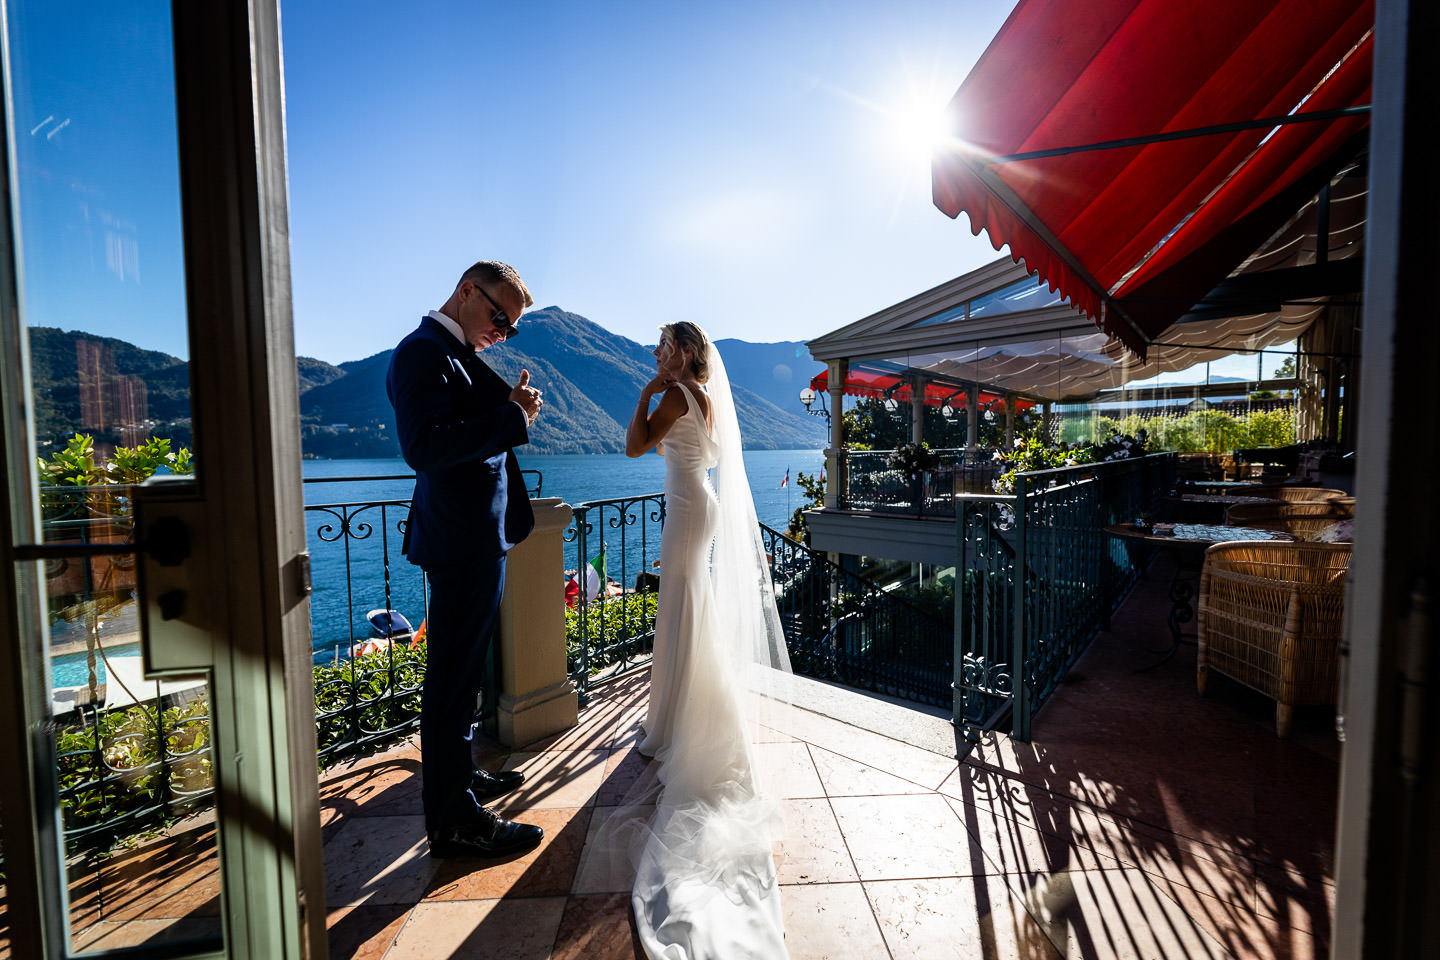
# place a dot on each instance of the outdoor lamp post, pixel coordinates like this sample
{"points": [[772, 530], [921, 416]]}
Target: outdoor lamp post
{"points": [[807, 397]]}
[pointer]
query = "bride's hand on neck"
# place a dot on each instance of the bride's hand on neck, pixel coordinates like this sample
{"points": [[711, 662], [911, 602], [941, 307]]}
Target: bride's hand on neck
{"points": [[659, 384]]}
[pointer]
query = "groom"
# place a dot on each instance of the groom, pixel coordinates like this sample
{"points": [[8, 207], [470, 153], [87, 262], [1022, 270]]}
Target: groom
{"points": [[457, 421]]}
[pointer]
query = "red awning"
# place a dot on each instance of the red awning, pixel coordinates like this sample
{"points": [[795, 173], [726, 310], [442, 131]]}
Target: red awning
{"points": [[1134, 235], [877, 386]]}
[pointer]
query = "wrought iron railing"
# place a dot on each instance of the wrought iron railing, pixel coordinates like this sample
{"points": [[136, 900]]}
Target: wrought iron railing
{"points": [[367, 687], [610, 626], [838, 626], [121, 768], [365, 691], [1037, 578], [841, 627], [870, 483]]}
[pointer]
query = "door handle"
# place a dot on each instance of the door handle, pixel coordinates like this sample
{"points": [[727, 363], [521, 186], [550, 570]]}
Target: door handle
{"points": [[179, 605]]}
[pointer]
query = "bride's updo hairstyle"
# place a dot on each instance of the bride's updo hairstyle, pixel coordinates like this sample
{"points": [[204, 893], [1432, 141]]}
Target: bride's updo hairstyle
{"points": [[685, 334]]}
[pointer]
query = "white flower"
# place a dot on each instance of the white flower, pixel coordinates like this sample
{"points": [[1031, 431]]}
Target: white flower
{"points": [[1019, 443]]}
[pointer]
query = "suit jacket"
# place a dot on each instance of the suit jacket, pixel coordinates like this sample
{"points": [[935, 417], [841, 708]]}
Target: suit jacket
{"points": [[456, 427]]}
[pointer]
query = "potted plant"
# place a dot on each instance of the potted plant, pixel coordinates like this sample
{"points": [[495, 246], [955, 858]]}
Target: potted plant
{"points": [[915, 460]]}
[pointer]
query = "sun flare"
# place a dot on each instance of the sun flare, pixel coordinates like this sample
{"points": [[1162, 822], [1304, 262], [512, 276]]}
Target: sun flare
{"points": [[918, 127]]}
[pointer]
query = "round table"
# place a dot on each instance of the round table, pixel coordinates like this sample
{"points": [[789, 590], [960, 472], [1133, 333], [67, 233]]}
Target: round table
{"points": [[1208, 507], [1187, 543]]}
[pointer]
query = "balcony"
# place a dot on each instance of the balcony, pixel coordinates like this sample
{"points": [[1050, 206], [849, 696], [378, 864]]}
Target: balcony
{"points": [[1099, 838]]}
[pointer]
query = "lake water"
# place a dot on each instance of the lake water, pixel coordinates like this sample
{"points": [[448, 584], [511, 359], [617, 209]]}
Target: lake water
{"points": [[338, 606]]}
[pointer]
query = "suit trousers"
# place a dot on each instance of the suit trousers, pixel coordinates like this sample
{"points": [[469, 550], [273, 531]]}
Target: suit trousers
{"points": [[464, 611]]}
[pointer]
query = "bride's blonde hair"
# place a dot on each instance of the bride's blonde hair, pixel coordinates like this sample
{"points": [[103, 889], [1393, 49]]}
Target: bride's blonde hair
{"points": [[685, 334]]}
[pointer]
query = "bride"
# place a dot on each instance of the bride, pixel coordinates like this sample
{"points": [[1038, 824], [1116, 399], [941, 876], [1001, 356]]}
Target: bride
{"points": [[705, 884]]}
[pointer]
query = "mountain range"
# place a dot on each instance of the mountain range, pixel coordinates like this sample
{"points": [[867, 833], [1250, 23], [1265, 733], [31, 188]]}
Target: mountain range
{"points": [[589, 376]]}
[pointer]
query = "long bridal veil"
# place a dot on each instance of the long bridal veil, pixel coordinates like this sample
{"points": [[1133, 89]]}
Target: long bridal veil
{"points": [[697, 828]]}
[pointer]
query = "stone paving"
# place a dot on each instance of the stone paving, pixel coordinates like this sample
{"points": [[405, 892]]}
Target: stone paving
{"points": [[1141, 821]]}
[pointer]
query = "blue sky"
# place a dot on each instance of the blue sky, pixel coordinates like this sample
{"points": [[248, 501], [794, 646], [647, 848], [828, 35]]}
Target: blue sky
{"points": [[750, 166], [760, 168]]}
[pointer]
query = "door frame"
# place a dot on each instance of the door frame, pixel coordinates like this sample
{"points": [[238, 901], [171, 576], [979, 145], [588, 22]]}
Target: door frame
{"points": [[245, 412]]}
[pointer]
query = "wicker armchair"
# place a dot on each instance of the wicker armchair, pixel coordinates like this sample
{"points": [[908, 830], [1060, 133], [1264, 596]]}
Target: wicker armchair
{"points": [[1305, 494], [1271, 617], [1303, 521]]}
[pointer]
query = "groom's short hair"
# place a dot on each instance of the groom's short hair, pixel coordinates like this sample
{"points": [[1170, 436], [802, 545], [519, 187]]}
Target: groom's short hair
{"points": [[493, 271]]}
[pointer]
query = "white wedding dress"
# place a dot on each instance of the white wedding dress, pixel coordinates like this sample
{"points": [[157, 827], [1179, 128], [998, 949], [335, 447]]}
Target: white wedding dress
{"points": [[705, 885]]}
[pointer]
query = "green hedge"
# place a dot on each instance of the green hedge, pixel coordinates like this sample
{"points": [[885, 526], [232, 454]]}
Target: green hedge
{"points": [[1208, 431], [618, 629]]}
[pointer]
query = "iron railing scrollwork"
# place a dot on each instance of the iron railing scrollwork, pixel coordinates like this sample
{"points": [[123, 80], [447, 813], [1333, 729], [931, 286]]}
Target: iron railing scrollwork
{"points": [[842, 628], [125, 766], [838, 626], [610, 622], [870, 483], [1038, 578]]}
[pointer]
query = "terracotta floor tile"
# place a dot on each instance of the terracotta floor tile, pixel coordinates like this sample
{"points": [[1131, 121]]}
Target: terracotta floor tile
{"points": [[623, 769], [830, 921], [115, 935], [871, 749], [599, 723], [1007, 846], [366, 932], [812, 849], [389, 789], [787, 770], [378, 860], [558, 779], [844, 777], [516, 929], [1247, 935], [1294, 899], [906, 836], [546, 871], [598, 928], [162, 880], [1112, 913], [401, 751], [604, 866], [951, 917], [1118, 841]]}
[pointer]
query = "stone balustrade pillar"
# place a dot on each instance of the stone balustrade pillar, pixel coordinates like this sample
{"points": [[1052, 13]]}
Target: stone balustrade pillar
{"points": [[536, 698]]}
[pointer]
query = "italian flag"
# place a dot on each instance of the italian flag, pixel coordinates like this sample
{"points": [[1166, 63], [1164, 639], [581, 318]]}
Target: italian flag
{"points": [[595, 579]]}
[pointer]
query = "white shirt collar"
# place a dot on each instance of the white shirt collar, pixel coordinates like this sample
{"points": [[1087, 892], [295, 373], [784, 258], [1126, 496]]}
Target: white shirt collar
{"points": [[450, 326]]}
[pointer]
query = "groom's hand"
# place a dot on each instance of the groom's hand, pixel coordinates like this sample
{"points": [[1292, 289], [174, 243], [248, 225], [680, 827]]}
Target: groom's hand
{"points": [[527, 396]]}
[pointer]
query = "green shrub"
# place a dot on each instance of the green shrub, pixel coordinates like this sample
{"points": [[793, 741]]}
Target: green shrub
{"points": [[618, 628], [1205, 431], [109, 765]]}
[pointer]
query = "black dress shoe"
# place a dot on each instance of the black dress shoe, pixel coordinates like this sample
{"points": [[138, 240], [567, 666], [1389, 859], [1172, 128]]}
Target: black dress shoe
{"points": [[487, 786], [484, 835]]}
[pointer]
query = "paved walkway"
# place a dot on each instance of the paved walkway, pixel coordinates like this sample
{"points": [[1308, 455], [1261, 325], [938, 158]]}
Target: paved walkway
{"points": [[1142, 821]]}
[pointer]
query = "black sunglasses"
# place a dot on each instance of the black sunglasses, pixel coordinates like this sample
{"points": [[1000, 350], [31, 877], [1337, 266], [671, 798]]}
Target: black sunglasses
{"points": [[500, 318]]}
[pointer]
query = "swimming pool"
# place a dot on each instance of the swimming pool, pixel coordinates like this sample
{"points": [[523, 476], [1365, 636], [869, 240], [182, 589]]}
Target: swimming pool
{"points": [[70, 669]]}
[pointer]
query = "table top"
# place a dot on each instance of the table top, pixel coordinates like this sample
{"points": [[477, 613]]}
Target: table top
{"points": [[1251, 482], [1227, 498], [1196, 535]]}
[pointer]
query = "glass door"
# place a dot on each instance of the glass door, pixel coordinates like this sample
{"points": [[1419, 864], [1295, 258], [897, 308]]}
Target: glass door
{"points": [[164, 796]]}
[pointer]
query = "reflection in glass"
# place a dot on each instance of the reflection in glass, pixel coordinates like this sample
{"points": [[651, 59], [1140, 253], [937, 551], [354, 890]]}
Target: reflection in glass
{"points": [[102, 293]]}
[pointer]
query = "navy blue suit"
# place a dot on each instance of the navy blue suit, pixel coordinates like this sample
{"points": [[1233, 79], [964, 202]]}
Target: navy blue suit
{"points": [[456, 426]]}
